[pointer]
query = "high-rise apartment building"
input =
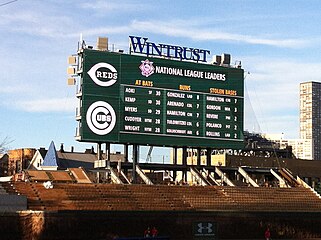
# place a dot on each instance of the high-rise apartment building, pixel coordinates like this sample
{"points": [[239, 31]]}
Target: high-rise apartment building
{"points": [[310, 115]]}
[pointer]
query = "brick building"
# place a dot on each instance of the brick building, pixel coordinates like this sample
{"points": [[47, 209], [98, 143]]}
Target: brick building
{"points": [[19, 159]]}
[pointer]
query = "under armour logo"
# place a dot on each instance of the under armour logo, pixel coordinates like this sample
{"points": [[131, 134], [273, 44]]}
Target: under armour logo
{"points": [[205, 228]]}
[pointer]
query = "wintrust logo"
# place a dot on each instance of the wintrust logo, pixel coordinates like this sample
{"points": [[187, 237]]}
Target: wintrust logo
{"points": [[101, 118], [103, 74]]}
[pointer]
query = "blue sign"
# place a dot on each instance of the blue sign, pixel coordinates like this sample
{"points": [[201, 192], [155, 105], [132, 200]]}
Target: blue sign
{"points": [[142, 46]]}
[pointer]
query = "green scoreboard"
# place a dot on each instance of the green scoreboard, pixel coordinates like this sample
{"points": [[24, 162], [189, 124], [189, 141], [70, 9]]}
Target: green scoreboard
{"points": [[155, 101]]}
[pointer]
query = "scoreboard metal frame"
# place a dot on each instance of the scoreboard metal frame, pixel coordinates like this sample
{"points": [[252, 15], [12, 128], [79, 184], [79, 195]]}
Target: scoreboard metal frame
{"points": [[131, 99]]}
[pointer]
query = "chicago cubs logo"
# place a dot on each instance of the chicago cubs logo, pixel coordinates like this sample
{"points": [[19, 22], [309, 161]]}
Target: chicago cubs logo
{"points": [[101, 118], [147, 68], [103, 74]]}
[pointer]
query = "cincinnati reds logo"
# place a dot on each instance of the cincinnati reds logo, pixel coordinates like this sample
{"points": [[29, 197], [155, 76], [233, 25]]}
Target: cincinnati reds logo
{"points": [[103, 74], [101, 118], [147, 68]]}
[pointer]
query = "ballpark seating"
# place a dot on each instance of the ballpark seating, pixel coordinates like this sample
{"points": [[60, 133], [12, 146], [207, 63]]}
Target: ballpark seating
{"points": [[35, 175], [61, 176], [114, 197], [70, 175], [80, 175]]}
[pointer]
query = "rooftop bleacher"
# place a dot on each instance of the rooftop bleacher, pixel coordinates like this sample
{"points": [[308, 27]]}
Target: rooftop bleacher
{"points": [[70, 175], [119, 197]]}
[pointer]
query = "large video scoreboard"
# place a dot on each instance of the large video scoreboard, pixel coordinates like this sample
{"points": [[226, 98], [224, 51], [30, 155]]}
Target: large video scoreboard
{"points": [[154, 101]]}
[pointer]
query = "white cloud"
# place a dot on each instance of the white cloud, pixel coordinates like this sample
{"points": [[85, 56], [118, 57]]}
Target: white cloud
{"points": [[193, 30], [14, 89], [37, 23], [47, 105], [183, 29], [107, 7], [273, 89], [105, 30], [222, 36]]}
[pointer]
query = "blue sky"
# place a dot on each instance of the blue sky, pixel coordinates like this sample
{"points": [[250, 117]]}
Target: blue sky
{"points": [[278, 43]]}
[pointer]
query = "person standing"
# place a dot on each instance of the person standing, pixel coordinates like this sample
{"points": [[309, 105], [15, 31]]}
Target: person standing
{"points": [[147, 233], [267, 234], [154, 232]]}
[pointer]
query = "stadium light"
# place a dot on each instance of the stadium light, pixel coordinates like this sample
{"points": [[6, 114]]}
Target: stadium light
{"points": [[102, 43], [71, 70], [72, 60], [71, 81]]}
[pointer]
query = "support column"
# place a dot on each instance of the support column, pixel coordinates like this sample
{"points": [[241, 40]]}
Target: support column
{"points": [[208, 157], [135, 161], [97, 177], [107, 154], [184, 160], [108, 174], [126, 158], [99, 151], [98, 158], [126, 153], [198, 157], [174, 162]]}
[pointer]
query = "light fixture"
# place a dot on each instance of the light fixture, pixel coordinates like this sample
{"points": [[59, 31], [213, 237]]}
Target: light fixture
{"points": [[71, 81], [102, 43], [72, 60], [71, 70]]}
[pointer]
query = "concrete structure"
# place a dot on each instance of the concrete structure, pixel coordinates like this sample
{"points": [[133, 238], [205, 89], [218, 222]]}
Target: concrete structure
{"points": [[310, 116], [301, 148]]}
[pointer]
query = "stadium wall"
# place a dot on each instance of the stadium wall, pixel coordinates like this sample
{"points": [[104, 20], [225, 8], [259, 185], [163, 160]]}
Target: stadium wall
{"points": [[175, 225]]}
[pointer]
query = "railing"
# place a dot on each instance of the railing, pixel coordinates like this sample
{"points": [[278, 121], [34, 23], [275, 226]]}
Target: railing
{"points": [[282, 183], [78, 114], [247, 177], [144, 238], [78, 90], [304, 184], [199, 178], [143, 176], [207, 174], [223, 177], [114, 176]]}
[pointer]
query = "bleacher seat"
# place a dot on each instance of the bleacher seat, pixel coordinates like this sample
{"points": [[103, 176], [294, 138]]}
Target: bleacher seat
{"points": [[114, 197]]}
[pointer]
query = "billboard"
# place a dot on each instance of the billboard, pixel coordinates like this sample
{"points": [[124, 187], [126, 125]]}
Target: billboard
{"points": [[155, 101]]}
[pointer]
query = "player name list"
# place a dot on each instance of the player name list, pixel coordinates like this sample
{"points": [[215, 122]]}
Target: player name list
{"points": [[149, 110]]}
